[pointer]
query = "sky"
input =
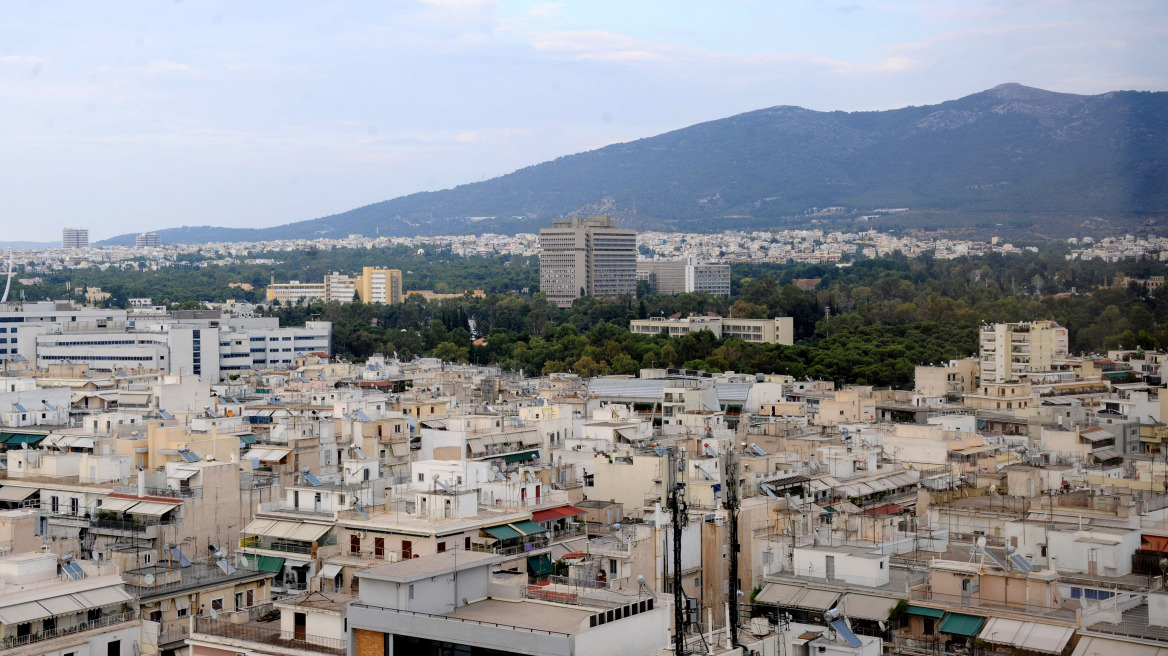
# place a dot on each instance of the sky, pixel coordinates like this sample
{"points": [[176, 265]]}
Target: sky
{"points": [[125, 117]]}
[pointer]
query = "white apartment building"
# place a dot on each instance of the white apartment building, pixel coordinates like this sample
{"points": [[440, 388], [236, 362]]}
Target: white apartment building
{"points": [[296, 292], [1010, 351], [688, 275]]}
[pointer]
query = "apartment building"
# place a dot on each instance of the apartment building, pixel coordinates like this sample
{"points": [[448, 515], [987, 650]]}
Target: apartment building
{"points": [[1010, 351], [587, 257], [295, 292], [148, 240]]}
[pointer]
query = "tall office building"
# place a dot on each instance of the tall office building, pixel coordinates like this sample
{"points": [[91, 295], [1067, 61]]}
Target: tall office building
{"points": [[75, 238], [587, 257], [380, 285], [148, 240], [678, 276]]}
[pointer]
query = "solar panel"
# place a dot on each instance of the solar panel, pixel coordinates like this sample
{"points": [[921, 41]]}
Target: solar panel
{"points": [[227, 568], [165, 415], [73, 571], [996, 558], [769, 493], [361, 510], [846, 633], [444, 486], [359, 452], [711, 451], [176, 554], [1021, 563], [189, 456], [19, 408], [362, 416], [706, 473], [312, 479], [757, 450], [50, 406], [660, 451]]}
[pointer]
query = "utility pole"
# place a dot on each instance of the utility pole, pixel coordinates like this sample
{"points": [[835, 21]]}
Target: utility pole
{"points": [[731, 465], [675, 500]]}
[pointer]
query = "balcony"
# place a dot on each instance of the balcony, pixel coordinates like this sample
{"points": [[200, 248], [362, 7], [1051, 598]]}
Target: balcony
{"points": [[267, 634], [102, 625], [195, 492], [282, 547], [283, 507], [511, 550]]}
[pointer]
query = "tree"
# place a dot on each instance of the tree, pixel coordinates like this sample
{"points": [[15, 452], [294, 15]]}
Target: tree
{"points": [[450, 352]]}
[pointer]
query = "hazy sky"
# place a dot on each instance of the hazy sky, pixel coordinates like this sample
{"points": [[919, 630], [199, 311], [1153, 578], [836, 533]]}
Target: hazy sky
{"points": [[130, 116]]}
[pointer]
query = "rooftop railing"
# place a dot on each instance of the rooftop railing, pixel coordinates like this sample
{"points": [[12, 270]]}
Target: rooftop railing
{"points": [[271, 634]]}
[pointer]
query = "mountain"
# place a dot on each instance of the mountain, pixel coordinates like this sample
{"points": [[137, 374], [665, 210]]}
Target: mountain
{"points": [[1009, 150]]}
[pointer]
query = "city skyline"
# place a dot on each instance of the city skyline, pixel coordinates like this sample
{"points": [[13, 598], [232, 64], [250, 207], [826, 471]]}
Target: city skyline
{"points": [[127, 121]]}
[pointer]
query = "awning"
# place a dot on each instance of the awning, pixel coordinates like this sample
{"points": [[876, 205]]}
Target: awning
{"points": [[270, 564], [1031, 636], [777, 594], [308, 532], [399, 449], [921, 611], [539, 565], [153, 508], [556, 513], [104, 597], [503, 532], [61, 605], [267, 454], [816, 599], [1154, 542], [520, 457], [81, 443], [182, 474], [962, 625], [329, 571], [528, 527], [248, 439], [16, 439], [1093, 644], [1110, 453], [867, 607], [113, 504], [26, 612], [259, 527], [476, 445], [16, 494]]}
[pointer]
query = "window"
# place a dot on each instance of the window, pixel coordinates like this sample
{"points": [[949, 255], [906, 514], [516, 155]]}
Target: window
{"points": [[411, 591], [378, 547], [217, 603], [441, 547], [421, 478], [354, 543]]}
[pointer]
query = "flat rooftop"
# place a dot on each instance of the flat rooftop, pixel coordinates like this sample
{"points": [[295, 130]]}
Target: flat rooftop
{"points": [[433, 565], [526, 615]]}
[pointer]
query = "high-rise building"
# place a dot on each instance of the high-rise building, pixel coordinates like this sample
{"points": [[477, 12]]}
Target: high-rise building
{"points": [[587, 257], [380, 285], [678, 276], [148, 240], [1010, 351], [75, 238]]}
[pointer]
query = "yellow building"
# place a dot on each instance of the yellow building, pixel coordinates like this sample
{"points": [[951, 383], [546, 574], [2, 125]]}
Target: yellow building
{"points": [[380, 285]]}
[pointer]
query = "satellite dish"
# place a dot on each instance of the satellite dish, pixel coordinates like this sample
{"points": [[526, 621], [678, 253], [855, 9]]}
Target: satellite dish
{"points": [[148, 579], [981, 542], [993, 488], [214, 614]]}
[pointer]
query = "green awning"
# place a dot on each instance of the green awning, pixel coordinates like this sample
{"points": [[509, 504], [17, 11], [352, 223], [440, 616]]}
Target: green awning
{"points": [[248, 439], [539, 565], [921, 611], [962, 625], [15, 439], [270, 564], [503, 532], [521, 457], [528, 527]]}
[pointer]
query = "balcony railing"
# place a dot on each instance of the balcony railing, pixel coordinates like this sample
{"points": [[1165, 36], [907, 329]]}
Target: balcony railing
{"points": [[512, 550], [195, 492], [253, 543], [271, 635], [11, 642], [461, 619]]}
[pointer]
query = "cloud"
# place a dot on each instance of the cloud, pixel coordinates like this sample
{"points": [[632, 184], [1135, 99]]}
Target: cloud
{"points": [[545, 9], [469, 136], [461, 6], [598, 45], [165, 67]]}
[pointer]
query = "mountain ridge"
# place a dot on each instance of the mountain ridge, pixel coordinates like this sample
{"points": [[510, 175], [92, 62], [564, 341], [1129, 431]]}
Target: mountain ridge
{"points": [[1011, 149]]}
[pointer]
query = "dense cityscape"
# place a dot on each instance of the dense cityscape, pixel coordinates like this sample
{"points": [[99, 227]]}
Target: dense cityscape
{"points": [[239, 476]]}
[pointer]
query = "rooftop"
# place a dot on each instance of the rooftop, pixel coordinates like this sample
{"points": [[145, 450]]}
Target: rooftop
{"points": [[526, 615], [427, 566]]}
